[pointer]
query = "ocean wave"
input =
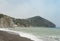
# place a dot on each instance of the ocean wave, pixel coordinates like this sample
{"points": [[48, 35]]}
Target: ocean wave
{"points": [[22, 34]]}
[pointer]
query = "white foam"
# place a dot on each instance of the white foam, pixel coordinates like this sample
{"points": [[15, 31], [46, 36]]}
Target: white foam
{"points": [[23, 34]]}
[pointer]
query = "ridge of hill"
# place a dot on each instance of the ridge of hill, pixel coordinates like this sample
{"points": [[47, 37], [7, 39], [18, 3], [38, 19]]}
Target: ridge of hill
{"points": [[37, 21]]}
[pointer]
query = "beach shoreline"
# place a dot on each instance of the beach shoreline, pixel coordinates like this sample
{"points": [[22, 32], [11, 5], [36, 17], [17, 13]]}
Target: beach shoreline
{"points": [[27, 36]]}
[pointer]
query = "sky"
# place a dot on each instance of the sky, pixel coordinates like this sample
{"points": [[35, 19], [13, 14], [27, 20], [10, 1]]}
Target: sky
{"points": [[48, 9]]}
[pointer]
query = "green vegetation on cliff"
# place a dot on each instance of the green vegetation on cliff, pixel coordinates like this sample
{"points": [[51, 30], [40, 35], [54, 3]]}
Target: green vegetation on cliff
{"points": [[36, 21]]}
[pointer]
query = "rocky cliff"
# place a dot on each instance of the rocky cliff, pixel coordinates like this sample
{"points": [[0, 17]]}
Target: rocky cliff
{"points": [[37, 21], [6, 21]]}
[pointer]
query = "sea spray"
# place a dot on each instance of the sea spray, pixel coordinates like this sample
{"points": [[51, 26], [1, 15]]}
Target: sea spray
{"points": [[22, 34]]}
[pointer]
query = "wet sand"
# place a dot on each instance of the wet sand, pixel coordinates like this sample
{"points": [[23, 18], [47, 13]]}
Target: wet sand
{"points": [[5, 36]]}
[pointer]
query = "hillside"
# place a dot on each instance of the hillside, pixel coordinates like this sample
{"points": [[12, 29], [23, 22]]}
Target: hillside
{"points": [[6, 21], [37, 21]]}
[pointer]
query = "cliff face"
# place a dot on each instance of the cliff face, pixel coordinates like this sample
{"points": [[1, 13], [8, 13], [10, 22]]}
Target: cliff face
{"points": [[6, 21], [37, 21]]}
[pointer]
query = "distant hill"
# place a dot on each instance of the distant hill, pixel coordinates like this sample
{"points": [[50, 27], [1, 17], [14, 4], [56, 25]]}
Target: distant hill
{"points": [[37, 21]]}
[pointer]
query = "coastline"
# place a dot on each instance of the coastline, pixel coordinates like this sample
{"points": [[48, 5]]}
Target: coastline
{"points": [[23, 35]]}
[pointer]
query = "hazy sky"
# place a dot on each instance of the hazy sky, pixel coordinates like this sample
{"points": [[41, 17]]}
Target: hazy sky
{"points": [[48, 9]]}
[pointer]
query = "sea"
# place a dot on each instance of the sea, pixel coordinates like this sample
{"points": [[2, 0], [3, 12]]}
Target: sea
{"points": [[46, 34]]}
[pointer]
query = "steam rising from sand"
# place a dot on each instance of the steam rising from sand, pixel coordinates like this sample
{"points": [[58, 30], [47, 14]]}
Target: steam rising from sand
{"points": [[22, 34]]}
